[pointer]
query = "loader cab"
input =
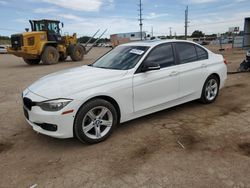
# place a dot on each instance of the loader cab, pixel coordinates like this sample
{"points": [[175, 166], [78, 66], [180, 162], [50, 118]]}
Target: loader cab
{"points": [[51, 27]]}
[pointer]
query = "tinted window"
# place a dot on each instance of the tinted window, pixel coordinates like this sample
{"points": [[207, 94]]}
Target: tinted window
{"points": [[162, 55], [201, 53], [187, 52]]}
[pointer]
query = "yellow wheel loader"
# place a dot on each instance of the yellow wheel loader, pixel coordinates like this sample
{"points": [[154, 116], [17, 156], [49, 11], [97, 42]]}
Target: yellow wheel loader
{"points": [[45, 43]]}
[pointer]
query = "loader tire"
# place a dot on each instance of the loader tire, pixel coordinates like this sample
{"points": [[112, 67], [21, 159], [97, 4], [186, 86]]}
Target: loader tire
{"points": [[50, 55], [76, 52], [32, 61]]}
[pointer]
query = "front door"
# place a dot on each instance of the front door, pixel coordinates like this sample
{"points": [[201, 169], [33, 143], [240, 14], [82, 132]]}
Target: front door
{"points": [[157, 87]]}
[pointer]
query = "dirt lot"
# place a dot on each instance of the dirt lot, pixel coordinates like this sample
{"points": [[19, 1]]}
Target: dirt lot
{"points": [[142, 153]]}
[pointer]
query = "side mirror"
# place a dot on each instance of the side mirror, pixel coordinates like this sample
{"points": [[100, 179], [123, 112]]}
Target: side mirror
{"points": [[150, 66], [62, 24], [27, 29]]}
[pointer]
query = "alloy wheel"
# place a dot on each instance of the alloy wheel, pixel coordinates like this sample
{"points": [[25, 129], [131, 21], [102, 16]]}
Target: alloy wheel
{"points": [[211, 89], [97, 122]]}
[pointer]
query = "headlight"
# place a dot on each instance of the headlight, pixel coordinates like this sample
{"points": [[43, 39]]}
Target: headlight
{"points": [[54, 105]]}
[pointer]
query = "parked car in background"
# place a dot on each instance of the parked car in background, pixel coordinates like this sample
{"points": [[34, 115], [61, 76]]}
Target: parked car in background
{"points": [[130, 81], [3, 49]]}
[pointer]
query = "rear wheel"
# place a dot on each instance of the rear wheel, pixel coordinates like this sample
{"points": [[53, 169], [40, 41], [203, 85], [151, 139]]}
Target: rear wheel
{"points": [[76, 52], [32, 61], [50, 55], [210, 89], [95, 121]]}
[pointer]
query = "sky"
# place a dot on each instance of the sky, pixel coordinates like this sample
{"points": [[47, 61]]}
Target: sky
{"points": [[84, 17]]}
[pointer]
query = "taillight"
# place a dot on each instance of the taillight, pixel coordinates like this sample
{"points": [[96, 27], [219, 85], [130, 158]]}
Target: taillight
{"points": [[225, 61]]}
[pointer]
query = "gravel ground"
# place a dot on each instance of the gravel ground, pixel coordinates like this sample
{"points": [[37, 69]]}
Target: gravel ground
{"points": [[192, 145]]}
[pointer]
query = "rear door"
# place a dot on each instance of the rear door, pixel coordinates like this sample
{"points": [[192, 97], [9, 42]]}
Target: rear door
{"points": [[193, 62], [157, 87]]}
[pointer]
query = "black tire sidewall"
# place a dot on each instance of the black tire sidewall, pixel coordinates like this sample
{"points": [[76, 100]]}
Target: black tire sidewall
{"points": [[203, 96], [78, 132], [45, 53], [73, 49]]}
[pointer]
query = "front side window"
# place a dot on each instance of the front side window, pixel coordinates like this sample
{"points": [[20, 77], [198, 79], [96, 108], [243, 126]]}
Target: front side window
{"points": [[121, 58], [40, 26], [162, 55], [187, 52]]}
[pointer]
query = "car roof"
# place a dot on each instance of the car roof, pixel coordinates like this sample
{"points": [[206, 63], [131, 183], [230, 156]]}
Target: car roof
{"points": [[152, 43]]}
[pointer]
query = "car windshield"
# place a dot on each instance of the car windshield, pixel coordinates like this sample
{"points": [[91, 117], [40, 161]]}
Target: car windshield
{"points": [[121, 58]]}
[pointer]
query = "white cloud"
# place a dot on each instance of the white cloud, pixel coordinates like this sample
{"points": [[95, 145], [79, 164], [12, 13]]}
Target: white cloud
{"points": [[45, 10], [78, 5], [154, 15], [71, 17], [215, 24], [201, 1]]}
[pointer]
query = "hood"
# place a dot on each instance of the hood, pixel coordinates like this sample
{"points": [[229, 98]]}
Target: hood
{"points": [[65, 83]]}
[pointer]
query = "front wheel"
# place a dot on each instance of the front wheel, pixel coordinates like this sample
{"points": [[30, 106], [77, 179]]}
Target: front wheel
{"points": [[50, 55], [95, 121], [210, 89]]}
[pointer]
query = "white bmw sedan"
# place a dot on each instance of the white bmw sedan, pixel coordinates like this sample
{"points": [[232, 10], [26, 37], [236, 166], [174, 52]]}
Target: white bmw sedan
{"points": [[130, 81]]}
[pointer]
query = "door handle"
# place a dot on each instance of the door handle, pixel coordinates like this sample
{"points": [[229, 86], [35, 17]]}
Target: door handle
{"points": [[174, 73], [204, 65]]}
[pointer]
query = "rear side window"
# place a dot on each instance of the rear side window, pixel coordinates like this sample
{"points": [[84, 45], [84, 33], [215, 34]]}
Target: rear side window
{"points": [[201, 53], [162, 55], [187, 52]]}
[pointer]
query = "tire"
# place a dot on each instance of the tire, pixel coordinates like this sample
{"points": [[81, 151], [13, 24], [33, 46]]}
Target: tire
{"points": [[50, 55], [32, 61], [95, 130], [243, 67], [63, 57], [76, 52], [210, 90]]}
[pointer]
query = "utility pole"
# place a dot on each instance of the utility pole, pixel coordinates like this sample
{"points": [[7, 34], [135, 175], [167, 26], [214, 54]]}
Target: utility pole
{"points": [[140, 18], [186, 22], [170, 32], [152, 31]]}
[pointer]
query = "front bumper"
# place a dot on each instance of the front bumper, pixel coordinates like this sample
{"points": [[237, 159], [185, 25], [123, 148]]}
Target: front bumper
{"points": [[36, 117], [27, 54]]}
